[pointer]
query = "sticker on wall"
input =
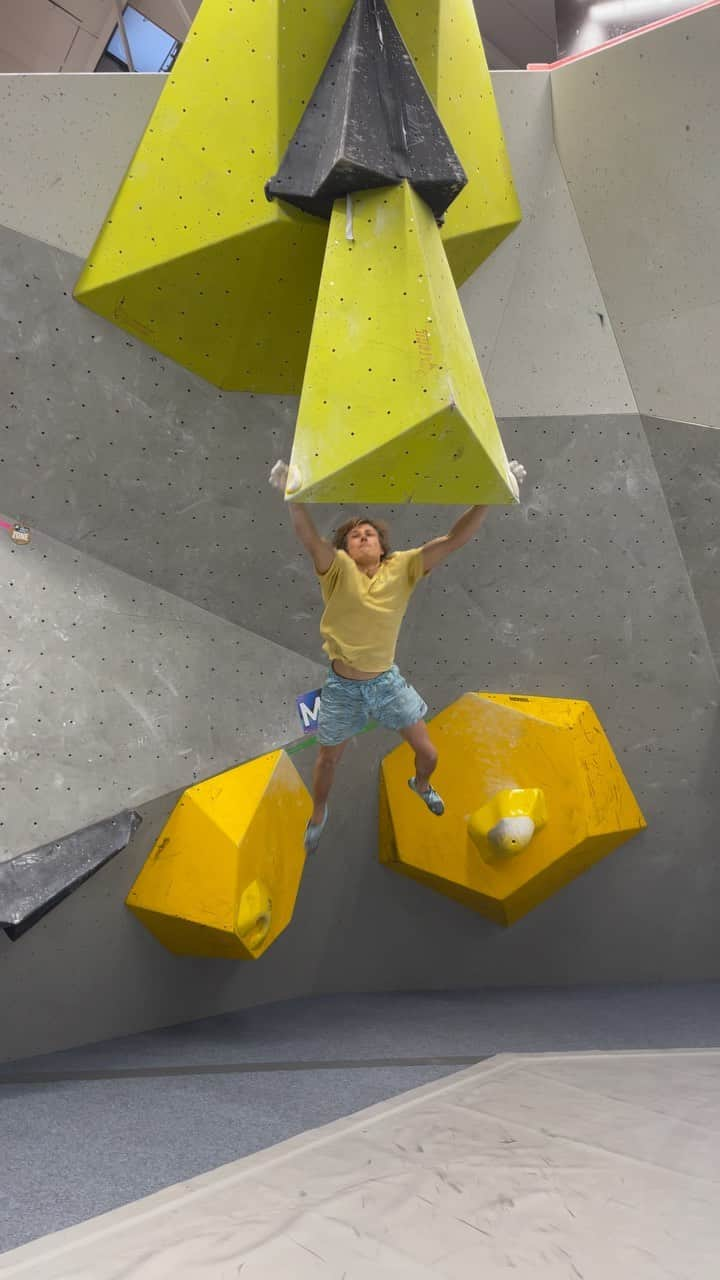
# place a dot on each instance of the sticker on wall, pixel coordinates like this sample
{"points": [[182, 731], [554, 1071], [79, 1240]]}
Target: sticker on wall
{"points": [[308, 706], [18, 530]]}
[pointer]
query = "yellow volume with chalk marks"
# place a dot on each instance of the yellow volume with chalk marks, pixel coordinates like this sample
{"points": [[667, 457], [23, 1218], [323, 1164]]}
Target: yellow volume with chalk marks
{"points": [[192, 258], [223, 876], [495, 743], [394, 406]]}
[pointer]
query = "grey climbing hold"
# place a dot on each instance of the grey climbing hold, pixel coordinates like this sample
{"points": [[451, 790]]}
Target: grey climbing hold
{"points": [[370, 123], [34, 882]]}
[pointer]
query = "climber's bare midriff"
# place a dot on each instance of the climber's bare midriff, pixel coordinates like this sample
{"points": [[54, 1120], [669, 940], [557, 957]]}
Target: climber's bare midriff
{"points": [[352, 673]]}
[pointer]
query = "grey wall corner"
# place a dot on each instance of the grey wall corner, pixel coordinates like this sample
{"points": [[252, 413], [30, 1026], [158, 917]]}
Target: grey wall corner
{"points": [[636, 127]]}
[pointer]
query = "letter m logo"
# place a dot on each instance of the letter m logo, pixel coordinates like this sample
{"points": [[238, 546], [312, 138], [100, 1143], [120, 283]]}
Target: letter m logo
{"points": [[308, 705]]}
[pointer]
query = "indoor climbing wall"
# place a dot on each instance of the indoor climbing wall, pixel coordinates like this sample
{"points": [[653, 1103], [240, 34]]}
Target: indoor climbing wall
{"points": [[162, 620]]}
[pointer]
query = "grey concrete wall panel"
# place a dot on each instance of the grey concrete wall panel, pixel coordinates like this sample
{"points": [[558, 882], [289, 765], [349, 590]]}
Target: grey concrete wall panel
{"points": [[525, 108], [673, 362], [555, 351], [130, 459], [637, 129], [66, 141], [540, 326], [582, 592], [687, 459], [114, 691], [33, 883]]}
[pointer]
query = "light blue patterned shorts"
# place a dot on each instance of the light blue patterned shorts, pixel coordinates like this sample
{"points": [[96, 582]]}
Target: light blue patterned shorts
{"points": [[347, 705]]}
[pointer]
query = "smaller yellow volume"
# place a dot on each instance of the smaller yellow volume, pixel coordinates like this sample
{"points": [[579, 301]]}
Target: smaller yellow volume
{"points": [[224, 874]]}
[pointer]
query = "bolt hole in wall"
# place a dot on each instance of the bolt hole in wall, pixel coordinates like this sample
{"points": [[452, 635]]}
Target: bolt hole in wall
{"points": [[151, 47]]}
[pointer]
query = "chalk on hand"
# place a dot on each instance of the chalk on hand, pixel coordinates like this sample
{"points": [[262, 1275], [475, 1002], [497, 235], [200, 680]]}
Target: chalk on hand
{"points": [[278, 475]]}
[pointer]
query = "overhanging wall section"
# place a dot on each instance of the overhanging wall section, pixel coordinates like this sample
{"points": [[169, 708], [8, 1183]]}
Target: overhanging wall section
{"points": [[582, 592]]}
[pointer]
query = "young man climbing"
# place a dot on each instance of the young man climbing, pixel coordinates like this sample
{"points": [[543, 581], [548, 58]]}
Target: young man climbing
{"points": [[366, 589]]}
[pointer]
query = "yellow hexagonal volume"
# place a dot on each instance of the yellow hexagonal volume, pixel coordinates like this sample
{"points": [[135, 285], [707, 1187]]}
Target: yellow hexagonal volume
{"points": [[192, 258], [224, 874], [394, 407], [575, 798]]}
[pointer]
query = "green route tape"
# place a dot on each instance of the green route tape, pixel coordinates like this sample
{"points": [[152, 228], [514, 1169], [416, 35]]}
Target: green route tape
{"points": [[312, 740]]}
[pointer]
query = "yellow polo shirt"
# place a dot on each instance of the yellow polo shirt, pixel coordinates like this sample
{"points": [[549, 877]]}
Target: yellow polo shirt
{"points": [[362, 615]]}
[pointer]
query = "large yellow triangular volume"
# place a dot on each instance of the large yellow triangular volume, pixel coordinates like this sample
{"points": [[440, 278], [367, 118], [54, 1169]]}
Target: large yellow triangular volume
{"points": [[193, 260], [394, 407]]}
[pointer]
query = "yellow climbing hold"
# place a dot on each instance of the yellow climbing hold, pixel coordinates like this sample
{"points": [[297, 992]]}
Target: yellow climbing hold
{"points": [[508, 822], [254, 916]]}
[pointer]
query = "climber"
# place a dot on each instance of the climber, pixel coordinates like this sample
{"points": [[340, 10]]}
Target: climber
{"points": [[366, 589]]}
